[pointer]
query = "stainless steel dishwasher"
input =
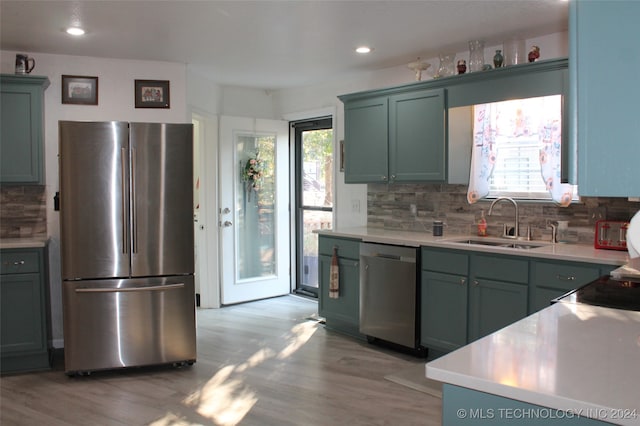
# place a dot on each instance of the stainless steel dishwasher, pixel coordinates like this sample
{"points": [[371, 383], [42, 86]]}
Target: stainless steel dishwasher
{"points": [[388, 294]]}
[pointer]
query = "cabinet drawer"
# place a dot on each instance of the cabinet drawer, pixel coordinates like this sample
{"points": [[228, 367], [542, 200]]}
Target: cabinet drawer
{"points": [[563, 276], [448, 262], [501, 268], [19, 262], [347, 248]]}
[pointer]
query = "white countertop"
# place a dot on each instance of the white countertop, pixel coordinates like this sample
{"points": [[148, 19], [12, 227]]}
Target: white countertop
{"points": [[568, 357], [16, 243], [565, 252]]}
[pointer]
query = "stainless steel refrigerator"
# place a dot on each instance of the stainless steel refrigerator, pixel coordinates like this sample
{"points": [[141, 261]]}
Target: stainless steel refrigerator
{"points": [[127, 248]]}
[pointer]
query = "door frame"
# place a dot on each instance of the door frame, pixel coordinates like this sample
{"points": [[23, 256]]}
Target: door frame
{"points": [[302, 116], [297, 200], [208, 218]]}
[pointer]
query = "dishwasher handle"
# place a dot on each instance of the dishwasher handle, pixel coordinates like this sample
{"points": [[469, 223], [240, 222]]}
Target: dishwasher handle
{"points": [[407, 259], [389, 252], [388, 256]]}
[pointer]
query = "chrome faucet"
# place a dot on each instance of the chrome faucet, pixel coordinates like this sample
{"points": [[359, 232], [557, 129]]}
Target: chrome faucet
{"points": [[516, 231]]}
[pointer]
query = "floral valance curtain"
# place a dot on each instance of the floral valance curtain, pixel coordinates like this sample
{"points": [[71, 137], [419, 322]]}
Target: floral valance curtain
{"points": [[483, 154], [536, 117]]}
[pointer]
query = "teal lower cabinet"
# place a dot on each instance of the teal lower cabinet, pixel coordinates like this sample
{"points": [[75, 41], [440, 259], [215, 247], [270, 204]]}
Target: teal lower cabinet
{"points": [[498, 293], [444, 311], [443, 299], [462, 406], [466, 295], [551, 279], [494, 305], [342, 313], [23, 311]]}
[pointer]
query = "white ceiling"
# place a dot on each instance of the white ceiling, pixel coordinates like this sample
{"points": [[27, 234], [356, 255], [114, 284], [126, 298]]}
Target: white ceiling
{"points": [[273, 44]]}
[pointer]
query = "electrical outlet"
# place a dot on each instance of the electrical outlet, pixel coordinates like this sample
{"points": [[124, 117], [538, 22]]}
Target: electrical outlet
{"points": [[597, 213], [355, 206], [413, 209]]}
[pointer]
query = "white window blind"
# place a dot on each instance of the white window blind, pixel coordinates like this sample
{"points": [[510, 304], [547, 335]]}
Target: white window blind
{"points": [[518, 141]]}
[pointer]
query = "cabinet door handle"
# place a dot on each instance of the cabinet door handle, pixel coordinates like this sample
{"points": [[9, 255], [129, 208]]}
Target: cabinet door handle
{"points": [[476, 283], [384, 178], [566, 277], [463, 281]]}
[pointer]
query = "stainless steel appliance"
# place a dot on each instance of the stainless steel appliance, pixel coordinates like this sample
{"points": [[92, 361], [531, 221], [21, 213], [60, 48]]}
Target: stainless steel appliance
{"points": [[388, 294], [606, 291], [127, 245]]}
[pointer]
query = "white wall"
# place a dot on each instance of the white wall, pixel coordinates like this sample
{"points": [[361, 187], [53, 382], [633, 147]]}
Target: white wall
{"points": [[325, 95], [115, 102]]}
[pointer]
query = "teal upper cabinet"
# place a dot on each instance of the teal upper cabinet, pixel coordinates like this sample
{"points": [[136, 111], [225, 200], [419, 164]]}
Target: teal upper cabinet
{"points": [[22, 121], [400, 134], [366, 134], [417, 144], [397, 138], [604, 96]]}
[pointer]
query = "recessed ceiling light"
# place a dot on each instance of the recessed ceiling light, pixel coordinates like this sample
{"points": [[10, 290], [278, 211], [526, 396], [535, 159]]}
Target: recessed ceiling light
{"points": [[76, 31], [363, 49]]}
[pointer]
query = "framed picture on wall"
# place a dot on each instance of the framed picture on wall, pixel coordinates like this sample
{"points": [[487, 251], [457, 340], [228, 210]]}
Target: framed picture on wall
{"points": [[79, 90], [152, 93]]}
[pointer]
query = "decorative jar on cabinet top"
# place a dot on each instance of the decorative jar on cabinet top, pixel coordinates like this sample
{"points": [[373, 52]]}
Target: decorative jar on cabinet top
{"points": [[498, 59]]}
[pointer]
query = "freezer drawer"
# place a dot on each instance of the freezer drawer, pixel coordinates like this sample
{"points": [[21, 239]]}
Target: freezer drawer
{"points": [[125, 323]]}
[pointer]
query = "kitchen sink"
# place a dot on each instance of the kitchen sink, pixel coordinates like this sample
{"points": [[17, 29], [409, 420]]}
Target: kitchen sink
{"points": [[522, 245]]}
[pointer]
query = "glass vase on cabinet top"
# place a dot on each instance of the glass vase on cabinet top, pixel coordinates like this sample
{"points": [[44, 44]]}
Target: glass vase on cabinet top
{"points": [[446, 67], [476, 55]]}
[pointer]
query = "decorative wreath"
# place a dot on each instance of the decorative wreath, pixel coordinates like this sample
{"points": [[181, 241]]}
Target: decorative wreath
{"points": [[253, 172]]}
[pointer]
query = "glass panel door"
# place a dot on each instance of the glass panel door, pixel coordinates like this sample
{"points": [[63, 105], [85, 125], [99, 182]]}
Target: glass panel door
{"points": [[314, 196], [254, 222], [255, 225]]}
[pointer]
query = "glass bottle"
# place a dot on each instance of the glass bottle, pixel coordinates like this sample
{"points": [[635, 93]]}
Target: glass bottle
{"points": [[476, 55], [482, 225]]}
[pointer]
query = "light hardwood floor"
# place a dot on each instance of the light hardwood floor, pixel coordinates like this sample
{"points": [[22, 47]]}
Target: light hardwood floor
{"points": [[260, 363]]}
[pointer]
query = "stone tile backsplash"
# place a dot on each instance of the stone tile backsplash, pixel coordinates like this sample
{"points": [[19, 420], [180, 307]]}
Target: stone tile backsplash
{"points": [[23, 211], [389, 207]]}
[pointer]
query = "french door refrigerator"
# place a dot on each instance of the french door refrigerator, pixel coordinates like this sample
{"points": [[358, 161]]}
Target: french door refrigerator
{"points": [[127, 244]]}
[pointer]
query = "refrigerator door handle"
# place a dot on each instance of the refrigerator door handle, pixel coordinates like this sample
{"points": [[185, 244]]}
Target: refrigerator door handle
{"points": [[123, 192], [131, 289], [134, 216]]}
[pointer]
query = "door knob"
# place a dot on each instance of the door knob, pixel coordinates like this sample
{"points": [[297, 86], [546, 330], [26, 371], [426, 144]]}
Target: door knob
{"points": [[226, 210], [227, 223]]}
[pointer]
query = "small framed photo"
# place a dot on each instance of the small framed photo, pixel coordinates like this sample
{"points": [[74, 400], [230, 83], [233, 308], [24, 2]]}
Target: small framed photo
{"points": [[152, 93], [79, 90]]}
